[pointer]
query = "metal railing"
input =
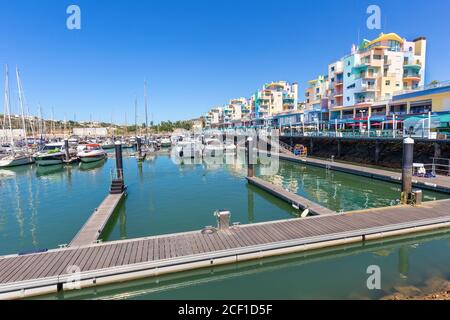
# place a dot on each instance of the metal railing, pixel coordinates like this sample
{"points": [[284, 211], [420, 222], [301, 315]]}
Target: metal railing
{"points": [[398, 134], [426, 87]]}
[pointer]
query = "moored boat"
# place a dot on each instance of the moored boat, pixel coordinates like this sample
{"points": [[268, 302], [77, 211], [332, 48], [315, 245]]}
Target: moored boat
{"points": [[51, 154], [92, 153], [16, 159], [166, 142]]}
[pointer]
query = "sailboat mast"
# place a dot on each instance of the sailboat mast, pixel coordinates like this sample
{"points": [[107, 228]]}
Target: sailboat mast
{"points": [[135, 117], [8, 107], [19, 87], [146, 108]]}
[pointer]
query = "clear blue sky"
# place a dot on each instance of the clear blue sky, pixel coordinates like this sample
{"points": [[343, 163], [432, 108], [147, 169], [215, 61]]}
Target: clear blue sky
{"points": [[195, 54]]}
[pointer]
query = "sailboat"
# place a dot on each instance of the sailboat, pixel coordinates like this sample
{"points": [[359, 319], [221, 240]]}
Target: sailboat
{"points": [[15, 157]]}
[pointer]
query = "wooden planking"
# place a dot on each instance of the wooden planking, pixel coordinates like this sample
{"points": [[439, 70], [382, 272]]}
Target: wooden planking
{"points": [[290, 197], [93, 228], [128, 252]]}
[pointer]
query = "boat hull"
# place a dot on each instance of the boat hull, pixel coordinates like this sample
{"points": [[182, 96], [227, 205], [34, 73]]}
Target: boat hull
{"points": [[15, 162], [48, 161], [90, 159]]}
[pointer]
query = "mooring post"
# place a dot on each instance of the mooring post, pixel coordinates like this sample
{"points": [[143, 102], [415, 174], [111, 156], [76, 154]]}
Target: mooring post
{"points": [[139, 145], [66, 149], [119, 160], [407, 170], [248, 151], [311, 145]]}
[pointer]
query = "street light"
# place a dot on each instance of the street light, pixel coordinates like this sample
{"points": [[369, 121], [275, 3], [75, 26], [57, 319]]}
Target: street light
{"points": [[362, 117]]}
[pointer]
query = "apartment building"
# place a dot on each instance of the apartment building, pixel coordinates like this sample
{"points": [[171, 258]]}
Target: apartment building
{"points": [[373, 72], [317, 98], [274, 98]]}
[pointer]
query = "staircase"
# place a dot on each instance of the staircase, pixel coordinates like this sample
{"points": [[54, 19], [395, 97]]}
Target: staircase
{"points": [[117, 186]]}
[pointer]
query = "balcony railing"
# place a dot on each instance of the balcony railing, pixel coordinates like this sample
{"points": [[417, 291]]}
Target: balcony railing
{"points": [[426, 87]]}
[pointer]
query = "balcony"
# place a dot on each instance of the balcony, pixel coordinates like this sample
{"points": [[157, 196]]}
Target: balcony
{"points": [[411, 77], [338, 83], [364, 101]]}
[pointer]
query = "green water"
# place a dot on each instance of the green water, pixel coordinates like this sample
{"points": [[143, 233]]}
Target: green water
{"points": [[339, 191], [44, 207]]}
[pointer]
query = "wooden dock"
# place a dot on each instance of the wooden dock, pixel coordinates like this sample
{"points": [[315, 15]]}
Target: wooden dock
{"points": [[93, 228], [48, 272], [440, 183], [292, 198]]}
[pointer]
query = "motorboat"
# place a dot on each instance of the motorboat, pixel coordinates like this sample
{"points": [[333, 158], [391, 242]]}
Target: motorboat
{"points": [[92, 153], [213, 147], [51, 154], [16, 159], [108, 144], [166, 142], [229, 149], [188, 149]]}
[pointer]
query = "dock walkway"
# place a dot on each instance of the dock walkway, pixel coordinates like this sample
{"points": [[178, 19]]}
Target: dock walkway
{"points": [[47, 272], [93, 228], [292, 198], [440, 183]]}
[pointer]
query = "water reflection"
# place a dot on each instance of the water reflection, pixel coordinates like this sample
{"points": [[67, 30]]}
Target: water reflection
{"points": [[250, 205], [92, 166], [50, 171]]}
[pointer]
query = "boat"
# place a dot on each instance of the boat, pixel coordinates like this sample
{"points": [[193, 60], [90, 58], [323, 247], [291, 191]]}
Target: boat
{"points": [[108, 144], [16, 159], [230, 149], [92, 153], [166, 142], [188, 148], [213, 147], [51, 154]]}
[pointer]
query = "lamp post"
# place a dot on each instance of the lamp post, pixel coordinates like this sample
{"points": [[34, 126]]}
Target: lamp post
{"points": [[362, 116]]}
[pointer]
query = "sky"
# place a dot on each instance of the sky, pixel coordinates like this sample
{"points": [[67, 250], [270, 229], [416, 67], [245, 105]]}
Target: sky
{"points": [[194, 54]]}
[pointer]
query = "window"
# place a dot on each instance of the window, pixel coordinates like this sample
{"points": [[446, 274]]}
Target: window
{"points": [[388, 82], [348, 63], [348, 98], [349, 74], [377, 57], [332, 69]]}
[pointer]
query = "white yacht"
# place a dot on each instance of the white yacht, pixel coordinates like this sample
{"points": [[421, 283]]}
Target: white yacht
{"points": [[92, 152], [51, 154], [166, 142], [16, 159]]}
